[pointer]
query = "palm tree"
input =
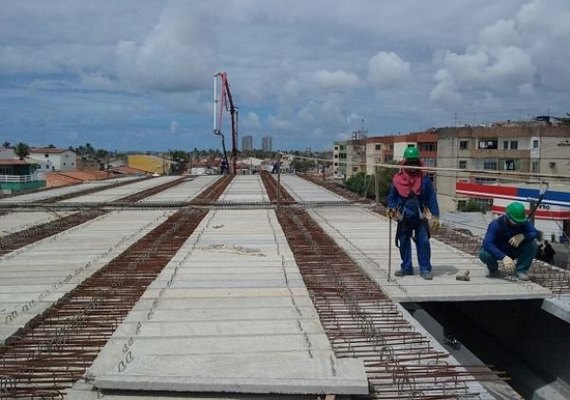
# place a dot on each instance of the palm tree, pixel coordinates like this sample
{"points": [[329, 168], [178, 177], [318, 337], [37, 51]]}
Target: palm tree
{"points": [[22, 150], [6, 145]]}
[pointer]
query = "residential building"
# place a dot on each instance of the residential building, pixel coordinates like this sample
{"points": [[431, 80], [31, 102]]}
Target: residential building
{"points": [[247, 143], [379, 150], [339, 159], [53, 159], [529, 148], [267, 143], [7, 153]]}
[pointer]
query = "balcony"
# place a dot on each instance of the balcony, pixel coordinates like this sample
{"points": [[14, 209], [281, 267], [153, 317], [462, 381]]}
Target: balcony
{"points": [[16, 183]]}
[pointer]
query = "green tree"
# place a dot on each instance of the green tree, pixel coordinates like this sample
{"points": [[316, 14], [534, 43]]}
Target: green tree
{"points": [[22, 150], [301, 165], [6, 145], [471, 206]]}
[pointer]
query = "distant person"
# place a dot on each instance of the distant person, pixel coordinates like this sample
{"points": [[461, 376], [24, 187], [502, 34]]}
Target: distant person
{"points": [[224, 166], [511, 239], [275, 168], [411, 194], [548, 252]]}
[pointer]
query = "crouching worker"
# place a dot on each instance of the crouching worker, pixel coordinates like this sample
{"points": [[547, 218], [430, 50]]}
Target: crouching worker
{"points": [[411, 194], [511, 239]]}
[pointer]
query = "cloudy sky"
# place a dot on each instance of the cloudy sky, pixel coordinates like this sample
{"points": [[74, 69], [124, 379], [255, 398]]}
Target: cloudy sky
{"points": [[138, 74]]}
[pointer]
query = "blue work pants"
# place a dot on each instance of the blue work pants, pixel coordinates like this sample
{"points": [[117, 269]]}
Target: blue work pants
{"points": [[420, 227]]}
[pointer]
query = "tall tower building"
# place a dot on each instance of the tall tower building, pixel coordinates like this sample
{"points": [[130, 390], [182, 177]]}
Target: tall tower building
{"points": [[247, 143], [267, 143]]}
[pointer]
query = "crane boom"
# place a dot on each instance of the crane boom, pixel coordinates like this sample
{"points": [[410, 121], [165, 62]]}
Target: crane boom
{"points": [[226, 103]]}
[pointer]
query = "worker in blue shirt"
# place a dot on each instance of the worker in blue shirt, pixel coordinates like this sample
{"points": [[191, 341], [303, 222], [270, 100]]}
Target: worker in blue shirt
{"points": [[511, 239], [411, 194]]}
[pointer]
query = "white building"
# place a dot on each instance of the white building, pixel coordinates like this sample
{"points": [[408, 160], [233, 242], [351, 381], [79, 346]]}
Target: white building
{"points": [[53, 159], [7, 153]]}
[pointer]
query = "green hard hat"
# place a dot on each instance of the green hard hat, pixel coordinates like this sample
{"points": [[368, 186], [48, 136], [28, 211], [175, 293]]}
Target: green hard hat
{"points": [[516, 213], [411, 153]]}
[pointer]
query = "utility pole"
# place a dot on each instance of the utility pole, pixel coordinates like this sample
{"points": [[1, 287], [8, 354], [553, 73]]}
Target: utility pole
{"points": [[377, 184], [278, 182]]}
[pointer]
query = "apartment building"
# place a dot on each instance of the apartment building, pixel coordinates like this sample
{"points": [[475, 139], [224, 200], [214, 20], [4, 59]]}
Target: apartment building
{"points": [[247, 143], [267, 143], [526, 148], [339, 159]]}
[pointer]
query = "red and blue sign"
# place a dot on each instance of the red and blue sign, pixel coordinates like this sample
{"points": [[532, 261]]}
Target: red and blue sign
{"points": [[554, 205]]}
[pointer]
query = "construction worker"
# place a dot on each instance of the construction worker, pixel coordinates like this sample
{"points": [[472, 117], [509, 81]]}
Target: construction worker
{"points": [[511, 239], [411, 195]]}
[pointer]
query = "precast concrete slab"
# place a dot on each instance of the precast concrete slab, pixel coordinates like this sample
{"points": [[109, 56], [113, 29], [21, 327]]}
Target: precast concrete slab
{"points": [[196, 329], [34, 277], [186, 191], [365, 236], [558, 306], [18, 221], [85, 391], [304, 191], [61, 191], [245, 189], [117, 193]]}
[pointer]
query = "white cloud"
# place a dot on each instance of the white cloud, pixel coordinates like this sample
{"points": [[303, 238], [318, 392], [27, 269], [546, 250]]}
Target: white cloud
{"points": [[174, 56], [336, 80], [387, 70], [446, 89], [252, 120]]}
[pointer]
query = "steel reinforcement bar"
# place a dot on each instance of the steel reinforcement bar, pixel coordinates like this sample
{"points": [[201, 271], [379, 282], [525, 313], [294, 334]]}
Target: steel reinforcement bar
{"points": [[88, 191], [213, 193], [45, 358], [361, 322], [133, 198], [553, 278], [22, 238], [271, 189]]}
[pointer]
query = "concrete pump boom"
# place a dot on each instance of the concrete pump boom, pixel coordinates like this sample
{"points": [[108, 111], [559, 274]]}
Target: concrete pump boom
{"points": [[226, 102]]}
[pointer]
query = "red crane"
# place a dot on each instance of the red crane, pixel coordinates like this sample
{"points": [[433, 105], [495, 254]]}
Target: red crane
{"points": [[227, 104]]}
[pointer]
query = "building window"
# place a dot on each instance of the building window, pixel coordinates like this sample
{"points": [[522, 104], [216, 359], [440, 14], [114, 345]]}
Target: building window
{"points": [[391, 147], [46, 155], [336, 156], [378, 147], [514, 145], [388, 157], [354, 169], [64, 163], [534, 166], [336, 148], [535, 144], [506, 145], [462, 164], [463, 144], [510, 165], [335, 164], [491, 144], [490, 164], [429, 162], [427, 146]]}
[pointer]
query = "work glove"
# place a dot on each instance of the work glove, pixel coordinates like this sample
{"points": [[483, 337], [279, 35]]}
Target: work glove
{"points": [[516, 240], [390, 213], [434, 223], [508, 265]]}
